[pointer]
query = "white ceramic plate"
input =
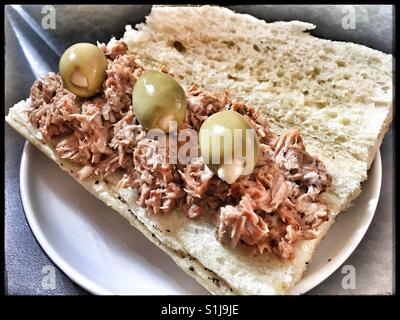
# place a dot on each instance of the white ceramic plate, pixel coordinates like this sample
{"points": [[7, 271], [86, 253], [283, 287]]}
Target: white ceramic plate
{"points": [[101, 252]]}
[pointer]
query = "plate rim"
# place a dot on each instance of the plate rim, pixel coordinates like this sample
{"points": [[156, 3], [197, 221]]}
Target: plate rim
{"points": [[97, 289], [61, 263], [349, 249]]}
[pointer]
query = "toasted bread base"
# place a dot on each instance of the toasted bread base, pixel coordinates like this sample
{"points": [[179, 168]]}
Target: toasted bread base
{"points": [[120, 202]]}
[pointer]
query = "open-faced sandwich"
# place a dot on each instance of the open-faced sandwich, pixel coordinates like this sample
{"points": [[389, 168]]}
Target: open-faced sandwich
{"points": [[230, 143]]}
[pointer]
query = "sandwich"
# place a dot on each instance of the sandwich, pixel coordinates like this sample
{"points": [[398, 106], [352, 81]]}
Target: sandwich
{"points": [[147, 124]]}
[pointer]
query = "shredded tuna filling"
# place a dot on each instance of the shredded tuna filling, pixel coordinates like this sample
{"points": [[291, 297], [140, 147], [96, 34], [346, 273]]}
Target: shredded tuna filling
{"points": [[268, 210]]}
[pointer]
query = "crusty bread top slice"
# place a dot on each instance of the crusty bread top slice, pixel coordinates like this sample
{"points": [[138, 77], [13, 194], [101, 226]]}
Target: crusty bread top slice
{"points": [[339, 94]]}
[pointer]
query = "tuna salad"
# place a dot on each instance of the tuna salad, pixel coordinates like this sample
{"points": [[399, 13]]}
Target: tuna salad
{"points": [[101, 122]]}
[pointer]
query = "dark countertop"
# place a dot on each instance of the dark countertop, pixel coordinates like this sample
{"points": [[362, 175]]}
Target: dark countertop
{"points": [[374, 257]]}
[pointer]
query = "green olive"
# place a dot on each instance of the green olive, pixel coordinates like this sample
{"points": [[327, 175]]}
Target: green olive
{"points": [[229, 145], [157, 100], [83, 69]]}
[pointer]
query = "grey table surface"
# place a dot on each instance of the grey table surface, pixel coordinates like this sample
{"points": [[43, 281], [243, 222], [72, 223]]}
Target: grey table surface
{"points": [[31, 50]]}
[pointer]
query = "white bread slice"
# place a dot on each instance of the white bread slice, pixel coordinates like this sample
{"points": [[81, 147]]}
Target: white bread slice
{"points": [[339, 94], [192, 243], [18, 119]]}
